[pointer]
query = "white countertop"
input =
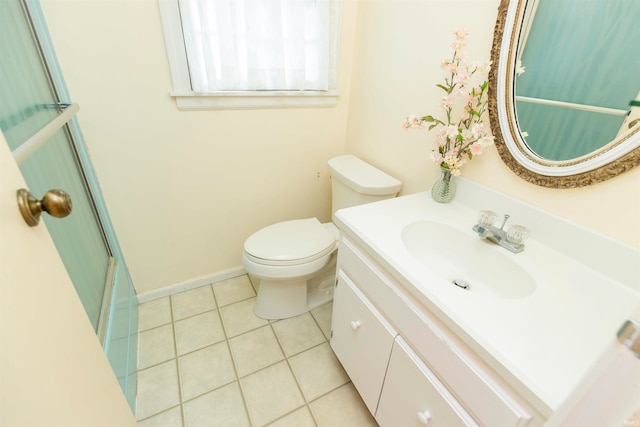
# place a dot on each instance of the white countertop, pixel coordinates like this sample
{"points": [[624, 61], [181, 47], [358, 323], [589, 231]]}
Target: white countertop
{"points": [[547, 340]]}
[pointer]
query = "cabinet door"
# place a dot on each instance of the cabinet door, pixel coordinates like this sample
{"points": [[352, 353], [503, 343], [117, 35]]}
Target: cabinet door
{"points": [[361, 339], [413, 396]]}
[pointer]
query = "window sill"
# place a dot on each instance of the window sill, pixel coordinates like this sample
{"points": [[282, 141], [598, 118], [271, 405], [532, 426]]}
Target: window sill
{"points": [[255, 100]]}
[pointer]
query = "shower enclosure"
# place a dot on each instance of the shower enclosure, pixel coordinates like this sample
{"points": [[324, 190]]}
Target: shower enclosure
{"points": [[37, 120]]}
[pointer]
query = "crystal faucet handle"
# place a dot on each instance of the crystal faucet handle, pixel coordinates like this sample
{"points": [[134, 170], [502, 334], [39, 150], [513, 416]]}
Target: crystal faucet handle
{"points": [[517, 234], [486, 218]]}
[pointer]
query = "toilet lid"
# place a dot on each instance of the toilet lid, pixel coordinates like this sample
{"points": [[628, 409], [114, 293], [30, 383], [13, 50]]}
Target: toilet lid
{"points": [[296, 240]]}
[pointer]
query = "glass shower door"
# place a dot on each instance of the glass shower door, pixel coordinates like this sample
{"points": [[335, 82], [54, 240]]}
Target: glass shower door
{"points": [[29, 102]]}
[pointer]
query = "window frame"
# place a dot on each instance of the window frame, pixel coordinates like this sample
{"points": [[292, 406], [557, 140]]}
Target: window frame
{"points": [[187, 99]]}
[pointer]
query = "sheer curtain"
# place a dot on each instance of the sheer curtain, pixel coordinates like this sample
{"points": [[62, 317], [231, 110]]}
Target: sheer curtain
{"points": [[253, 45]]}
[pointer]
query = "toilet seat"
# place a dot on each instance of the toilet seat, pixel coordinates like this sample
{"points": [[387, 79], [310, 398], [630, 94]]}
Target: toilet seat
{"points": [[291, 242]]}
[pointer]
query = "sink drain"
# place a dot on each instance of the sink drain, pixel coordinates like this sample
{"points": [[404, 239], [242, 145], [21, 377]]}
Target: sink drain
{"points": [[461, 284]]}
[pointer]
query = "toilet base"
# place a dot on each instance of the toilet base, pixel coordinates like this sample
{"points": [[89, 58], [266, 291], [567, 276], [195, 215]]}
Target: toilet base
{"points": [[281, 299]]}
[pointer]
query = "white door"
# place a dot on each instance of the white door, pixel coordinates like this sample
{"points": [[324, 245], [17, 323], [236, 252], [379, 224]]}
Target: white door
{"points": [[609, 396], [53, 370]]}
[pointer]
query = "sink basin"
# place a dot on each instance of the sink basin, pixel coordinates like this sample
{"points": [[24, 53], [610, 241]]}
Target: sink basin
{"points": [[466, 259]]}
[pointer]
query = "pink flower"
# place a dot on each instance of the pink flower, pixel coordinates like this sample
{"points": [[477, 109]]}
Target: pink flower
{"points": [[413, 122], [451, 131], [476, 129], [449, 66], [441, 137], [460, 135], [436, 157], [486, 140], [476, 148], [446, 101], [462, 78], [458, 46], [461, 33]]}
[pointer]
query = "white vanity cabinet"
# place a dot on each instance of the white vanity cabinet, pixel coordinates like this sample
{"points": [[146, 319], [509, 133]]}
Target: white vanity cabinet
{"points": [[409, 369], [362, 339], [413, 396]]}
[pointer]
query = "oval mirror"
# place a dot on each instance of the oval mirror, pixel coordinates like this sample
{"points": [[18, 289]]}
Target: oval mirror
{"points": [[564, 101]]}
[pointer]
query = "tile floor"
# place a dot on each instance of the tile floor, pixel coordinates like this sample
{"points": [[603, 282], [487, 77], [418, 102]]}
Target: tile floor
{"points": [[204, 359]]}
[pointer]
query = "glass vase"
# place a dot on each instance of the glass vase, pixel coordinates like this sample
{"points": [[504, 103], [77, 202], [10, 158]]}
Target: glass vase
{"points": [[444, 188]]}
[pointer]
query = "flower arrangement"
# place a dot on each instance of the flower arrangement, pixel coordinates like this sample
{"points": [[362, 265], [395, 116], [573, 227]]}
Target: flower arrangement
{"points": [[463, 136]]}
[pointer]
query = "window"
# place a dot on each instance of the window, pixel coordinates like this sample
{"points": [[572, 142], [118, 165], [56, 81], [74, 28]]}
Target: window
{"points": [[252, 53]]}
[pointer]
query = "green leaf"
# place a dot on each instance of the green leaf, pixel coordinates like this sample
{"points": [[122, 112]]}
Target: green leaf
{"points": [[484, 86], [432, 126], [444, 88], [428, 118]]}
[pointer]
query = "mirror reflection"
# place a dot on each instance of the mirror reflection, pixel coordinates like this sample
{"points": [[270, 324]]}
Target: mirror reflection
{"points": [[578, 73], [562, 89]]}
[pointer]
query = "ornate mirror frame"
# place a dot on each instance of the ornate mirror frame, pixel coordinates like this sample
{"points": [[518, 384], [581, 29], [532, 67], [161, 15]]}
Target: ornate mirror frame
{"points": [[620, 155]]}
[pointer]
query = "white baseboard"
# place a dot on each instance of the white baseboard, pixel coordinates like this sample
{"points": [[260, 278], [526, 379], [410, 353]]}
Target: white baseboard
{"points": [[190, 284]]}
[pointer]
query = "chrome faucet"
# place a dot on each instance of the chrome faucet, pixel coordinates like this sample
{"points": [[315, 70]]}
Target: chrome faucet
{"points": [[512, 240]]}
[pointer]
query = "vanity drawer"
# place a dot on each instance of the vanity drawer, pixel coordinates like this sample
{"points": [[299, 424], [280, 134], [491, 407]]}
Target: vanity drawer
{"points": [[361, 339], [466, 376], [413, 396]]}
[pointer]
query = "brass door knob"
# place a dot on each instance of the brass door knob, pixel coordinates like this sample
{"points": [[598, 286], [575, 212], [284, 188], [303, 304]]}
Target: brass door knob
{"points": [[56, 203]]}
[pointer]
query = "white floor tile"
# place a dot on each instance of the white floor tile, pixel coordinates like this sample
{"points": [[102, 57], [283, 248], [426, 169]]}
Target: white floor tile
{"points": [[223, 407], [298, 333], [198, 331], [205, 370], [168, 418], [155, 346], [318, 371], [239, 318], [255, 350], [190, 303], [157, 389], [233, 290], [342, 407], [271, 393], [154, 313]]}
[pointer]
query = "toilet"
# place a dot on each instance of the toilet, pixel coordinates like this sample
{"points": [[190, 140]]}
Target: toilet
{"points": [[296, 260]]}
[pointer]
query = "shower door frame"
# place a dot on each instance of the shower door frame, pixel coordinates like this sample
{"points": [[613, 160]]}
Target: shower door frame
{"points": [[69, 110]]}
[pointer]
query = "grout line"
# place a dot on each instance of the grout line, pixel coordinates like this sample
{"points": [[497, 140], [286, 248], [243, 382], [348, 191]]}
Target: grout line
{"points": [[233, 362], [175, 349]]}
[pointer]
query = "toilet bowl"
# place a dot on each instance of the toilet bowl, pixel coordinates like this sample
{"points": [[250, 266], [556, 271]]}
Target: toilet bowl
{"points": [[296, 260], [284, 256]]}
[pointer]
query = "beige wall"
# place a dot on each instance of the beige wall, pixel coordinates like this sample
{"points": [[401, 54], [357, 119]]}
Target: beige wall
{"points": [[186, 188], [399, 47]]}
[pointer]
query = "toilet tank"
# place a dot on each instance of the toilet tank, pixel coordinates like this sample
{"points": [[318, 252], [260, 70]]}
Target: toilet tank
{"points": [[355, 182]]}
